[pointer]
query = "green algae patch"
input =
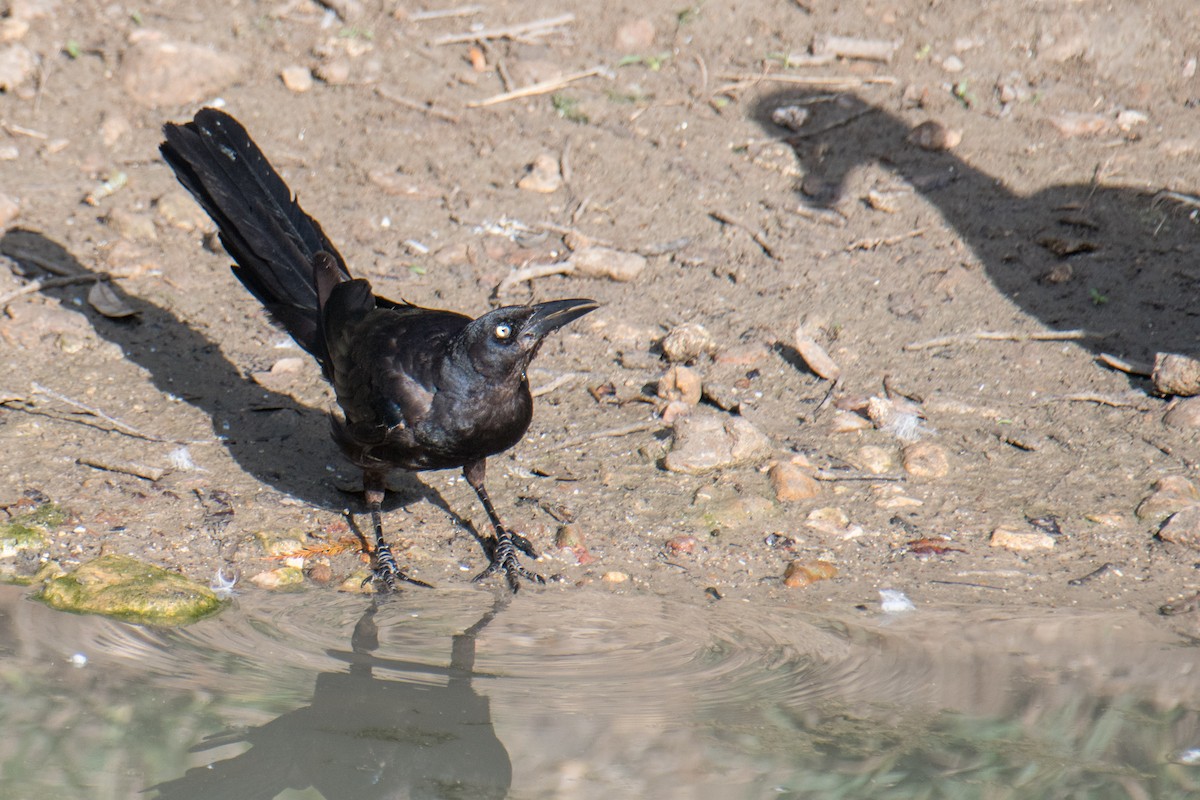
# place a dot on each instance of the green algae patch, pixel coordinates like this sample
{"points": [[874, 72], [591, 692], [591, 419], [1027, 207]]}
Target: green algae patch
{"points": [[28, 531], [131, 590]]}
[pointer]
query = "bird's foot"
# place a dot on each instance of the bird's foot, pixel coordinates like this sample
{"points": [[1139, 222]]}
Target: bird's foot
{"points": [[387, 572], [503, 556]]}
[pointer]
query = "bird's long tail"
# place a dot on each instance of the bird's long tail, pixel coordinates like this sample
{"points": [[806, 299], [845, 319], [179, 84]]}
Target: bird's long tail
{"points": [[261, 225]]}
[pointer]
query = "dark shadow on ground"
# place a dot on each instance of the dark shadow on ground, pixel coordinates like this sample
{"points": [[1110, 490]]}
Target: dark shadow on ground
{"points": [[1120, 263], [368, 736], [279, 441]]}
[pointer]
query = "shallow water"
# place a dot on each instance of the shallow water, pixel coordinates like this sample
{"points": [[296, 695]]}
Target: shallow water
{"points": [[583, 694]]}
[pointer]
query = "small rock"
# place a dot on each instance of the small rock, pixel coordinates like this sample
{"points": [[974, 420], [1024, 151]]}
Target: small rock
{"points": [[289, 365], [131, 225], [1128, 119], [1182, 527], [1183, 414], [832, 521], [102, 297], [684, 544], [10, 209], [319, 571], [791, 482], [674, 410], [604, 262], [790, 117], [933, 136], [114, 127], [296, 78], [848, 422], [335, 71], [635, 36], [13, 30], [723, 397], [1071, 124], [1021, 540], [687, 342], [614, 577], [680, 383], [17, 65], [799, 574], [743, 355], [281, 578], [1176, 375], [1171, 494], [952, 64], [704, 442], [158, 72], [816, 358], [542, 175], [926, 460], [875, 460]]}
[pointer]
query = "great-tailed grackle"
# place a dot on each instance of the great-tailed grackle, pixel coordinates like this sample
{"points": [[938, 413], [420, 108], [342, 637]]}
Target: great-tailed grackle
{"points": [[419, 388]]}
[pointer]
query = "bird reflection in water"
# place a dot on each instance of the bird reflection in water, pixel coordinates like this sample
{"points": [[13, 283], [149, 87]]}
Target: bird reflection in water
{"points": [[367, 737]]}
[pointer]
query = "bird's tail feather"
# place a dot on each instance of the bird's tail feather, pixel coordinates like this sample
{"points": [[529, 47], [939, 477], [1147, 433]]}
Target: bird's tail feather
{"points": [[261, 225]]}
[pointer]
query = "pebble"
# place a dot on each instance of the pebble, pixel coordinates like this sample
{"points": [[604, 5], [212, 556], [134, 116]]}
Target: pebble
{"points": [[1072, 124], [1128, 119], [1011, 539], [1172, 493], [614, 577], [952, 64], [159, 72], [10, 209], [604, 262], [832, 521], [102, 297], [799, 574], [848, 422], [790, 117], [743, 355], [674, 410], [816, 358], [131, 225], [9, 152], [875, 460], [704, 442], [926, 460], [1176, 375], [297, 78], [680, 383], [17, 65], [334, 72], [934, 136], [792, 482], [1183, 414], [684, 544], [280, 578], [12, 30], [1182, 527], [635, 36], [113, 128], [687, 342], [542, 175]]}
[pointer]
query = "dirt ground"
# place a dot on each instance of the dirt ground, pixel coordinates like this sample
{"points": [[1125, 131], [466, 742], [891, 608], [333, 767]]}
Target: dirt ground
{"points": [[1047, 216]]}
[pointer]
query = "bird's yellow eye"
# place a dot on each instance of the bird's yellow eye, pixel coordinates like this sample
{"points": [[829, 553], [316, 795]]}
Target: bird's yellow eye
{"points": [[503, 330]]}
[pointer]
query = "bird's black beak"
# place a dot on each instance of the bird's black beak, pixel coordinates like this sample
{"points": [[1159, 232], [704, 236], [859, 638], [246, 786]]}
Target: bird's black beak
{"points": [[551, 316]]}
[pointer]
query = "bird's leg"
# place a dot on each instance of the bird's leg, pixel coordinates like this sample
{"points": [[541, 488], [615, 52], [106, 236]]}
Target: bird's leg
{"points": [[504, 549], [386, 571]]}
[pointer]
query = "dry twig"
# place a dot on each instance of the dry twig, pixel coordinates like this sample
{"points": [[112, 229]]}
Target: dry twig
{"points": [[54, 283], [875, 244], [757, 236], [999, 336], [522, 30], [120, 427], [624, 430], [125, 468], [416, 105], [545, 87]]}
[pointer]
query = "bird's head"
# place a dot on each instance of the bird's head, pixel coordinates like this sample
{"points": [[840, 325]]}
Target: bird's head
{"points": [[504, 341]]}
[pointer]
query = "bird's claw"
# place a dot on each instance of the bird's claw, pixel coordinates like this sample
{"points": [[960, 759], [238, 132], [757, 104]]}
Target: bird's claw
{"points": [[387, 572], [504, 559]]}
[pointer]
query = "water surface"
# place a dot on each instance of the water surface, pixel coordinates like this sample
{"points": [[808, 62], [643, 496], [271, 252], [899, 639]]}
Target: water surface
{"points": [[579, 693]]}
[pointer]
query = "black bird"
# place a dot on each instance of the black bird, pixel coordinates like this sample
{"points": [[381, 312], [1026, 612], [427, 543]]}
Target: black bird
{"points": [[418, 388]]}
